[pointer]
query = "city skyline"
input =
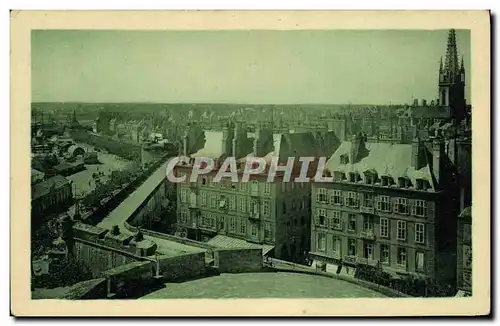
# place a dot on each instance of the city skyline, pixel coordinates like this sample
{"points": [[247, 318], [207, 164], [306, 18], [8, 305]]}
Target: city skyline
{"points": [[266, 67]]}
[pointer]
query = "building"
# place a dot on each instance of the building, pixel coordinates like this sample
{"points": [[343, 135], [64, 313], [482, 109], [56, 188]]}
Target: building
{"points": [[390, 206], [273, 214], [393, 201], [464, 253], [50, 196]]}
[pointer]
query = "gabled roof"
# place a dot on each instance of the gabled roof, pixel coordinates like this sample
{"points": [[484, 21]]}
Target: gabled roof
{"points": [[386, 159]]}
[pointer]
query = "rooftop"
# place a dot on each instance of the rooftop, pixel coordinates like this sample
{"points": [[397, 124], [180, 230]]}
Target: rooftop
{"points": [[263, 285], [43, 188], [386, 159]]}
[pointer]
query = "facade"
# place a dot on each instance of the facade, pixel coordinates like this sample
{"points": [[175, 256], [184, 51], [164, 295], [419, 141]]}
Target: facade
{"points": [[464, 253], [389, 206], [275, 214]]}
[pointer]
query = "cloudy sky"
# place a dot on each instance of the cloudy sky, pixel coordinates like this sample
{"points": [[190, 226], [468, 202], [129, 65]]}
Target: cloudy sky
{"points": [[279, 67]]}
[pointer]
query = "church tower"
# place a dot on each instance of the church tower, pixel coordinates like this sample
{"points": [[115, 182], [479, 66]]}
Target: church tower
{"points": [[452, 80]]}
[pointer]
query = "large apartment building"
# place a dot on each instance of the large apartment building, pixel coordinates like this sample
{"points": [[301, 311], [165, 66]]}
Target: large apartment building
{"points": [[273, 214], [390, 205]]}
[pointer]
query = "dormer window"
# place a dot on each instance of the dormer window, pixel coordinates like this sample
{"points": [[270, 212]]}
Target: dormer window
{"points": [[419, 184], [385, 180], [338, 176], [352, 177], [401, 182], [370, 176], [344, 159], [408, 183]]}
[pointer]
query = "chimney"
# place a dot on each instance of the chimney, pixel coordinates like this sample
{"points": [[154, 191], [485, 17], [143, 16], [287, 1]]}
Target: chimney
{"points": [[357, 147], [185, 142], [415, 102], [417, 153], [240, 145], [227, 138], [424, 102], [438, 157]]}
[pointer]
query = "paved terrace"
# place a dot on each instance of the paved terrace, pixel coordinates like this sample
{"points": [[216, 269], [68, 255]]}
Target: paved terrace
{"points": [[123, 212]]}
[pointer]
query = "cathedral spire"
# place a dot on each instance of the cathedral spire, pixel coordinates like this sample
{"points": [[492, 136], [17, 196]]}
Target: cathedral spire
{"points": [[451, 63], [462, 69]]}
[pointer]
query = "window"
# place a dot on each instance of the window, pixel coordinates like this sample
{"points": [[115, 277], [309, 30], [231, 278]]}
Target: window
{"points": [[344, 159], [335, 197], [183, 195], [384, 227], [302, 204], [419, 261], [203, 181], [321, 218], [243, 227], [336, 220], [265, 207], [419, 233], [267, 188], [203, 198], [384, 204], [267, 230], [402, 256], [221, 222], [337, 245], [232, 224], [283, 207], [402, 206], [243, 186], [401, 230], [254, 230], [352, 247], [352, 199], [339, 176], [368, 200], [222, 203], [183, 216], [321, 242], [243, 204], [420, 208], [253, 207], [213, 200], [368, 223], [368, 250], [352, 222], [321, 195], [232, 203], [384, 254]]}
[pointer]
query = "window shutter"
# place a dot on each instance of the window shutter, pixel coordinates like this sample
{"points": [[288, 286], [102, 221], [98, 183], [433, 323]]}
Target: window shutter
{"points": [[361, 199], [377, 203], [430, 207], [346, 201], [413, 210], [390, 208], [316, 220], [396, 207]]}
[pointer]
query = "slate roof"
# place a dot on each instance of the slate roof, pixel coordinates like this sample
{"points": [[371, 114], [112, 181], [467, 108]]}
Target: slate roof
{"points": [[386, 159], [214, 146], [43, 188]]}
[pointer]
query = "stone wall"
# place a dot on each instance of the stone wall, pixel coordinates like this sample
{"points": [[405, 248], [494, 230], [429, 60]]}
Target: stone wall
{"points": [[238, 260], [182, 267], [98, 259]]}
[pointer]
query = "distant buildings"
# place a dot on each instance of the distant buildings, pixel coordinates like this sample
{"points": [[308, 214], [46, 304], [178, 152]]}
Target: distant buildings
{"points": [[464, 253]]}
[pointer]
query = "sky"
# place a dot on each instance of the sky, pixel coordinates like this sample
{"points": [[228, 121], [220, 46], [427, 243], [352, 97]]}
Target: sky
{"points": [[253, 67]]}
